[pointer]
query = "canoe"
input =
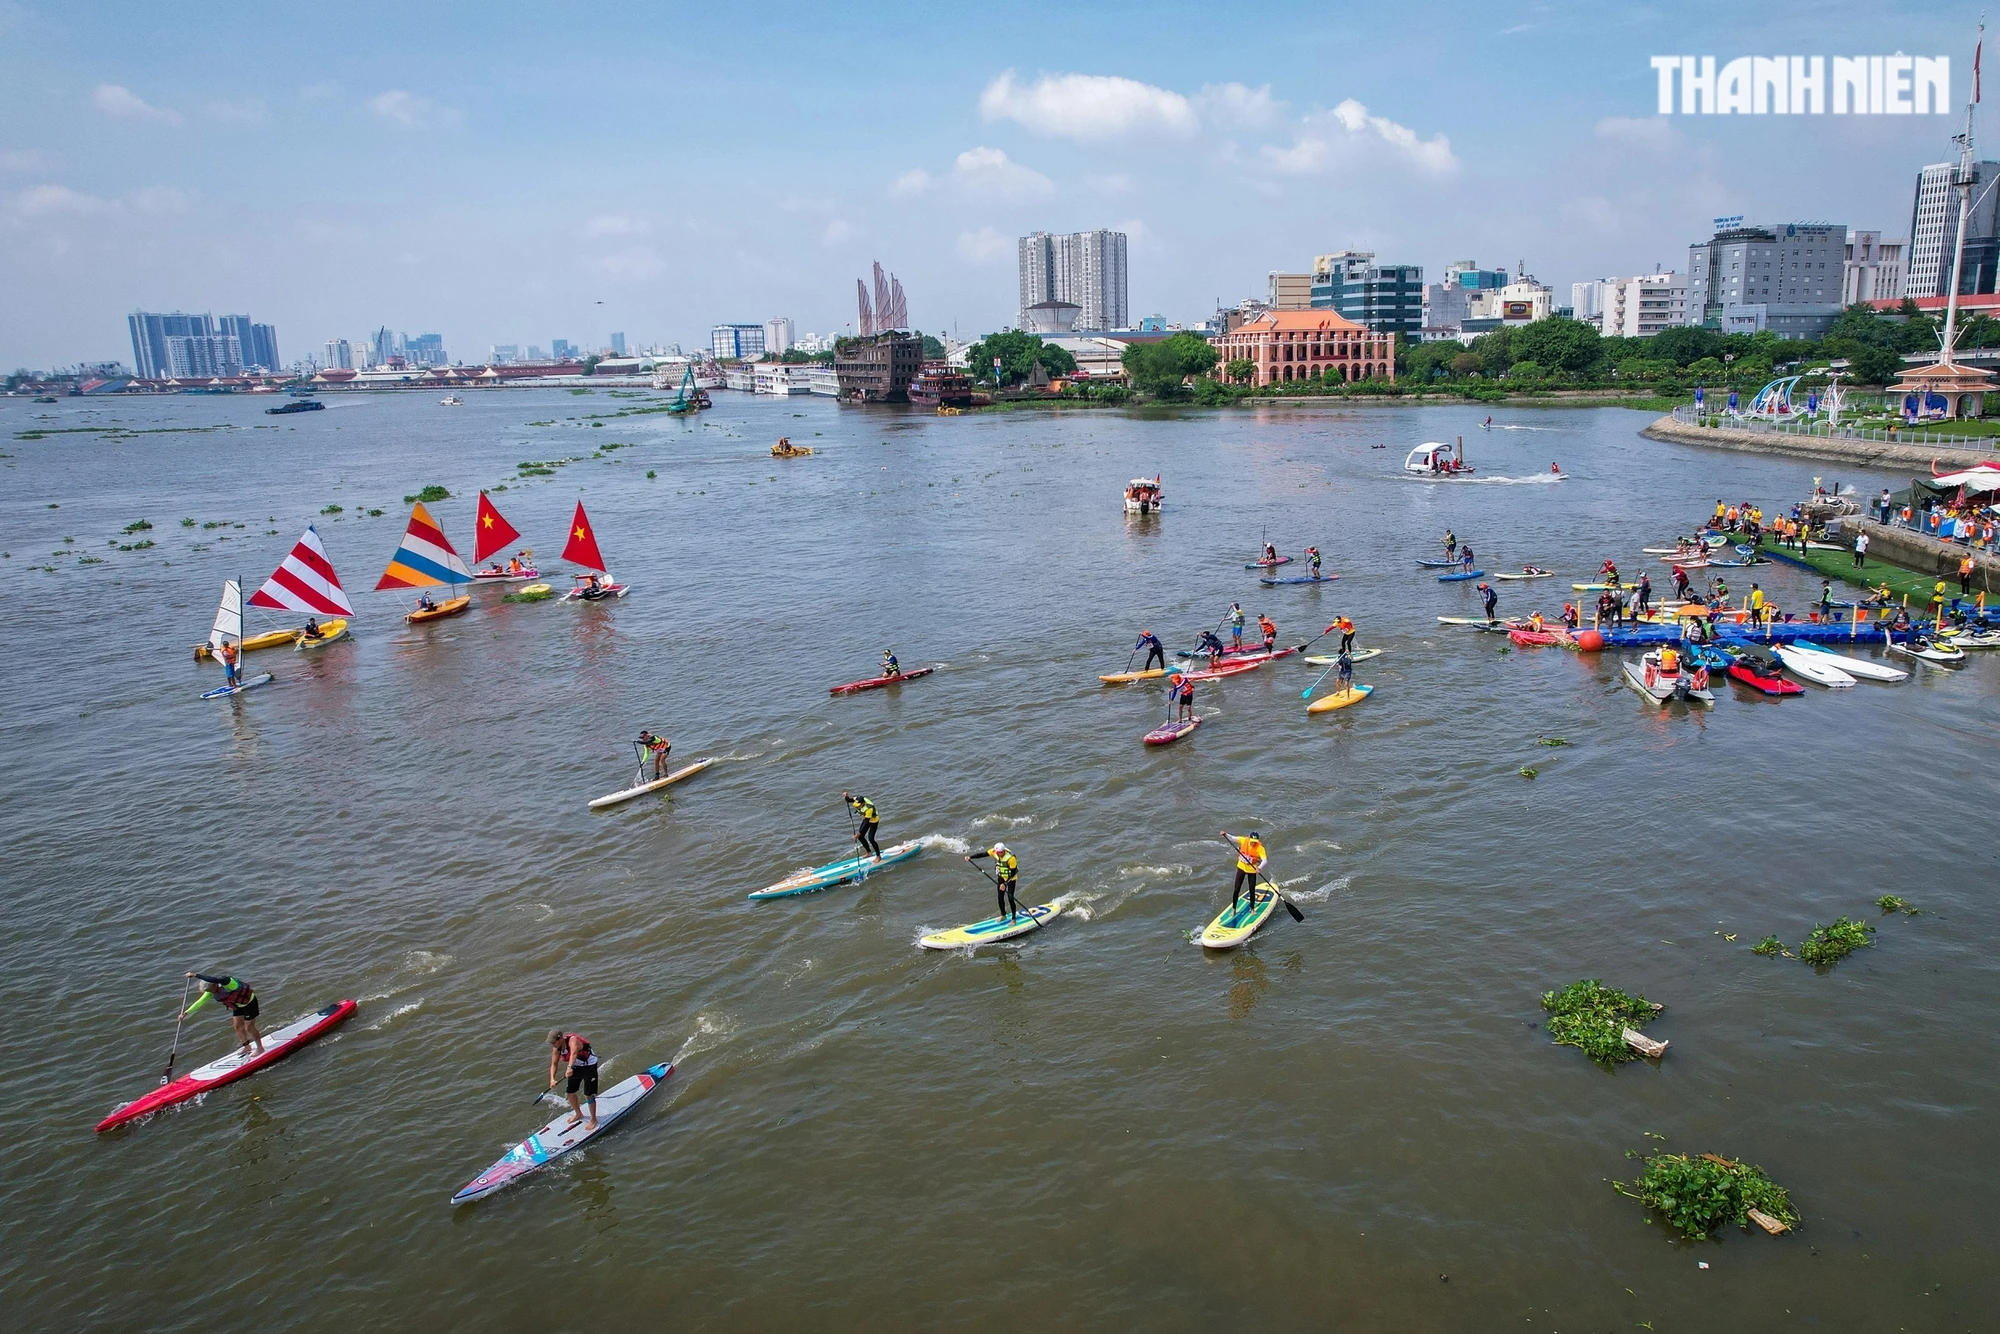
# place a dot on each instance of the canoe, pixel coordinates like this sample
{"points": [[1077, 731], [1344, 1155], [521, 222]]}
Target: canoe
{"points": [[328, 632], [1124, 678], [855, 869], [502, 577], [1859, 668], [1539, 574], [1269, 582], [1456, 578], [877, 682], [449, 607], [992, 929], [1813, 667], [1328, 659], [1340, 699], [557, 1138], [238, 1064], [1168, 733], [1267, 564], [1240, 920], [251, 643], [627, 794], [248, 683]]}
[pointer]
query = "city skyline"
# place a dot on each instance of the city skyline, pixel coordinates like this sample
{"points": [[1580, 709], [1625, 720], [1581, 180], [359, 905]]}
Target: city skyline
{"points": [[155, 165]]}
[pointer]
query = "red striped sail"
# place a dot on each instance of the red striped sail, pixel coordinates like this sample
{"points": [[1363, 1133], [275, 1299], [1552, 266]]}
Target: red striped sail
{"points": [[305, 582]]}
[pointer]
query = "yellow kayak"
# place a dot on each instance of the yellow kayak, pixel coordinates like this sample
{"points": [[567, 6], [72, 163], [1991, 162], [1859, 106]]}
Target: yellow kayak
{"points": [[1340, 699], [1121, 678], [449, 607], [328, 632], [1240, 920], [269, 639]]}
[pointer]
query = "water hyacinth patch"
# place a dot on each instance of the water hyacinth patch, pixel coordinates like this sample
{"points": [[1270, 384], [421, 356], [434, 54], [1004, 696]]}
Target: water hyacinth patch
{"points": [[1594, 1017], [1828, 945], [1699, 1194]]}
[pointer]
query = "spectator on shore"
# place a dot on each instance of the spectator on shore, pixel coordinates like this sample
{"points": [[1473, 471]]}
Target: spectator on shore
{"points": [[1860, 550]]}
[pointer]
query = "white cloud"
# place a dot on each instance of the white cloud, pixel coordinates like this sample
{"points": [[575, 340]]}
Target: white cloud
{"points": [[912, 182], [22, 159], [1111, 183], [984, 246], [1327, 138], [633, 264], [1088, 106], [615, 224], [121, 103], [989, 173], [161, 199], [236, 113], [838, 232], [1650, 132], [1238, 105], [409, 110], [42, 201]]}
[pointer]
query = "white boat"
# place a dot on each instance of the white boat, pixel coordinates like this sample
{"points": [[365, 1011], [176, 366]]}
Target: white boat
{"points": [[1860, 668], [1814, 667], [1144, 495], [1976, 639], [1924, 650], [451, 401], [1646, 677], [1435, 459]]}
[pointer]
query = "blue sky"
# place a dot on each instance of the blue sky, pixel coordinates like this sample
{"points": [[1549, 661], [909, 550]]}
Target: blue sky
{"points": [[494, 172]]}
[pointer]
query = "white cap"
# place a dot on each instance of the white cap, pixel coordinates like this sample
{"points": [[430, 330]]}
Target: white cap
{"points": [[1000, 847]]}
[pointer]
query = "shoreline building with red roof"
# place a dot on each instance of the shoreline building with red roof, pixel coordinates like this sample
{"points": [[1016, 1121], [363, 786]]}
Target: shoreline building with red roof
{"points": [[1291, 345]]}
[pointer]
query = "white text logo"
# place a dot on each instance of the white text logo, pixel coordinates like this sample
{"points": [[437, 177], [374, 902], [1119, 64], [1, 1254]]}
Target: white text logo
{"points": [[1800, 86]]}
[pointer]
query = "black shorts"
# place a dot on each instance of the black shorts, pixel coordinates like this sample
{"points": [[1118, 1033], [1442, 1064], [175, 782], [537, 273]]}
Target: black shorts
{"points": [[244, 1012], [583, 1078]]}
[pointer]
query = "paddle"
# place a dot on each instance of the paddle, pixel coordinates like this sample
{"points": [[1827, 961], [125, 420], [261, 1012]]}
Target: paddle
{"points": [[543, 1094], [1307, 692], [179, 1015], [991, 880], [1290, 907], [1301, 648]]}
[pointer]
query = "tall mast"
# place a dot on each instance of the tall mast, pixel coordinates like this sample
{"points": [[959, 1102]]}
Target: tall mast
{"points": [[1961, 182]]}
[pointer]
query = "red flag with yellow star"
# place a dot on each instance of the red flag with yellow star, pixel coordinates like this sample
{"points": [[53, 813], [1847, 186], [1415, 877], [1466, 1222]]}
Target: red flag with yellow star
{"points": [[493, 533], [582, 546]]}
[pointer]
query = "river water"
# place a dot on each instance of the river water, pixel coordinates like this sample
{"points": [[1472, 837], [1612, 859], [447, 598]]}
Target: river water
{"points": [[1352, 1123]]}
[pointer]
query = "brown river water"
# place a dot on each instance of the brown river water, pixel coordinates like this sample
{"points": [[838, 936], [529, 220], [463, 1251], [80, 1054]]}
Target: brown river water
{"points": [[1353, 1123]]}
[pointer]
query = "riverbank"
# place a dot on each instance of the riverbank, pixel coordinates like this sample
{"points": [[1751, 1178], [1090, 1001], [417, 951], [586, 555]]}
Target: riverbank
{"points": [[1863, 453], [1909, 563]]}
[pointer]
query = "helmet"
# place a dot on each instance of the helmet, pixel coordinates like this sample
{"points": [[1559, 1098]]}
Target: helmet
{"points": [[1000, 847]]}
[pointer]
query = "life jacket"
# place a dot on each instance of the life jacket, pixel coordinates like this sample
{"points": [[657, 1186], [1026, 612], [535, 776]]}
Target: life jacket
{"points": [[229, 652], [1236, 618], [1670, 661], [865, 807], [889, 665], [1249, 853], [234, 994], [579, 1049], [1007, 864], [1270, 630]]}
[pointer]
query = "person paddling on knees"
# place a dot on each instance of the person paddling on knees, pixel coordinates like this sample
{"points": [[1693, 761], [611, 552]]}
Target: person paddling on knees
{"points": [[1007, 868], [1250, 860], [574, 1049], [237, 998], [864, 810], [890, 667], [1156, 652]]}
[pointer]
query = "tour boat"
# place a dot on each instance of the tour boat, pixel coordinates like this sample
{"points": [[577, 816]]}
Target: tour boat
{"points": [[1144, 495], [1434, 459]]}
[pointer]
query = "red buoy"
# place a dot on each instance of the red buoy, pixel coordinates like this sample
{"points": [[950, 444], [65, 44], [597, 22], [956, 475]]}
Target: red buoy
{"points": [[1590, 641]]}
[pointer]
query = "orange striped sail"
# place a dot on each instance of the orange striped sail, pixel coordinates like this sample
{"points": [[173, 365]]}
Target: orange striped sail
{"points": [[426, 558]]}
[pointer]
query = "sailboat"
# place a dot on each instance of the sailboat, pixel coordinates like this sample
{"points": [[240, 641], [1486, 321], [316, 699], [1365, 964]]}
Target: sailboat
{"points": [[491, 535], [305, 581], [426, 559], [582, 550], [229, 626]]}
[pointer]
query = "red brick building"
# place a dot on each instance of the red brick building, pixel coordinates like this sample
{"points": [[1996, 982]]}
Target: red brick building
{"points": [[1307, 344]]}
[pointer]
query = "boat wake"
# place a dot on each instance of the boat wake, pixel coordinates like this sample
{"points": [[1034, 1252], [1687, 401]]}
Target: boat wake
{"points": [[425, 961], [947, 842], [1537, 479], [1010, 821], [393, 1015], [1087, 905], [709, 1031], [1174, 869], [1323, 893]]}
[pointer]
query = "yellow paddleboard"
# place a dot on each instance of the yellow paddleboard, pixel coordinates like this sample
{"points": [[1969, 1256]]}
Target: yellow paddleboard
{"points": [[1240, 920], [992, 929], [1120, 678], [1340, 699], [328, 632], [615, 798]]}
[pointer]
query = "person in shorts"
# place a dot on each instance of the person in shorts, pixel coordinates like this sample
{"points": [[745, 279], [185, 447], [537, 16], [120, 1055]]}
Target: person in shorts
{"points": [[573, 1050]]}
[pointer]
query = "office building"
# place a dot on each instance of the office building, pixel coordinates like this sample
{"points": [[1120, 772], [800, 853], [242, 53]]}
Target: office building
{"points": [[259, 342], [1385, 298], [1934, 232], [1873, 268], [1288, 345], [1781, 277], [1642, 306], [183, 346], [618, 345], [740, 341], [424, 350], [778, 336], [562, 349], [1086, 269], [1291, 291], [1448, 303], [502, 354], [338, 355], [1522, 301]]}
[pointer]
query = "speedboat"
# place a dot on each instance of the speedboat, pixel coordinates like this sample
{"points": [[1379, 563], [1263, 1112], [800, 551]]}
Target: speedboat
{"points": [[1433, 459], [1144, 495], [451, 401], [1660, 684]]}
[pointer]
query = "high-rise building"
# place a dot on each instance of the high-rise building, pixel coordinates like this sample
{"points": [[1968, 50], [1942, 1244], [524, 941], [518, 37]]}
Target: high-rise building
{"points": [[502, 354], [534, 352], [1087, 269], [1934, 232], [259, 342], [562, 349], [1873, 270], [424, 350], [1782, 277], [742, 341], [1384, 298], [778, 338], [339, 355], [618, 345], [1291, 291], [1447, 303], [1637, 307], [180, 345]]}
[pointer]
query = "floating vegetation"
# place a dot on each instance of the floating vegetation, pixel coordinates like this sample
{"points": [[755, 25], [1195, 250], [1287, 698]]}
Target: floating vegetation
{"points": [[136, 546], [1828, 945], [331, 509], [216, 523], [54, 506], [1699, 1194], [374, 514], [1593, 1017], [650, 474], [541, 423], [139, 526], [597, 426], [1770, 947], [69, 539], [187, 523], [429, 495], [1894, 903], [90, 560], [580, 390], [1551, 741], [1527, 772], [501, 487]]}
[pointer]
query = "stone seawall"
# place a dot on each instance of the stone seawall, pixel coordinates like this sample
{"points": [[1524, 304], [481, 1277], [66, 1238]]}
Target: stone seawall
{"points": [[1861, 453]]}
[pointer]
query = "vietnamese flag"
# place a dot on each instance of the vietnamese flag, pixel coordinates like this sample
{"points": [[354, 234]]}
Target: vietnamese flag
{"points": [[494, 534], [582, 546]]}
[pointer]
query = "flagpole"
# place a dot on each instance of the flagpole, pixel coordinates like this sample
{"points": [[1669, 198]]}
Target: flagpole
{"points": [[1962, 182]]}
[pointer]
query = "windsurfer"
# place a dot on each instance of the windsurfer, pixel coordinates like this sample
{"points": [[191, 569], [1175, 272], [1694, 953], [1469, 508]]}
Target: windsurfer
{"points": [[231, 653]]}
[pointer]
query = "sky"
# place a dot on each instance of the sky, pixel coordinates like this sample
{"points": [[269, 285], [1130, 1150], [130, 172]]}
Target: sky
{"points": [[506, 173]]}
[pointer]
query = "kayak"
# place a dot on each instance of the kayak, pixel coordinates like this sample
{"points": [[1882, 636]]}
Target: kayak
{"points": [[554, 1140], [1168, 733], [1122, 678], [235, 1066], [1269, 582], [503, 577], [1267, 564], [626, 794], [855, 869], [1813, 667], [1455, 578], [1237, 666], [1240, 920], [1328, 659], [449, 607], [261, 679], [1860, 668], [250, 644], [1538, 574], [328, 632], [992, 929], [877, 682], [1340, 699]]}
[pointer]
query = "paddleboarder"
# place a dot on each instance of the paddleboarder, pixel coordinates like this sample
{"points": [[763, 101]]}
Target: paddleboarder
{"points": [[864, 811], [1210, 645], [236, 997], [1450, 545], [1270, 553], [1645, 603], [657, 747], [1343, 679], [1156, 652], [1312, 561], [1007, 868], [1346, 628], [1269, 629], [1236, 624], [573, 1049], [230, 656], [1250, 861], [1489, 599], [890, 667], [1181, 689], [1465, 558]]}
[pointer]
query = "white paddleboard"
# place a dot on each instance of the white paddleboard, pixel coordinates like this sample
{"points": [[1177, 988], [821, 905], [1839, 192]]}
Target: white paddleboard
{"points": [[627, 794]]}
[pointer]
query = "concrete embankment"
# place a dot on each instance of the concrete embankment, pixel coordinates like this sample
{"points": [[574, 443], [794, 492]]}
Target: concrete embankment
{"points": [[1862, 453]]}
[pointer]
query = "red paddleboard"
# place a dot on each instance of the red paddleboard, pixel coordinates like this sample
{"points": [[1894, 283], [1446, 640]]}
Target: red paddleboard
{"points": [[877, 682], [1168, 733], [1267, 564], [277, 1046], [1237, 665]]}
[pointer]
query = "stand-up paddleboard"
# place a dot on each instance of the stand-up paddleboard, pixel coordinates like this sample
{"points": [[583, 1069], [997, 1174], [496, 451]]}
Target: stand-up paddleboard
{"points": [[249, 683], [1235, 665], [1596, 588], [615, 798], [1269, 582], [1340, 699], [1168, 733], [1467, 620], [992, 929], [1240, 920], [1456, 578], [841, 872], [1123, 678], [1328, 659], [1437, 564], [877, 682], [277, 1046], [554, 1140], [1859, 668], [1539, 574], [1267, 564], [1813, 667]]}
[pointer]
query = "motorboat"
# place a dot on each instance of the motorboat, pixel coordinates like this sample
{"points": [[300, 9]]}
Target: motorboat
{"points": [[1661, 684], [1435, 459], [1144, 495], [451, 401]]}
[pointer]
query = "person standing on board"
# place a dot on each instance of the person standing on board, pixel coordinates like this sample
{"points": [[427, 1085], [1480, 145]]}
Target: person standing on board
{"points": [[1236, 626], [573, 1049], [890, 667], [656, 747], [1181, 689], [1155, 650], [1489, 599], [1343, 680], [864, 811], [1269, 629], [1450, 545], [1007, 874], [237, 998], [1346, 628], [1465, 558], [231, 654], [1250, 861], [1211, 646], [1645, 591], [1312, 561]]}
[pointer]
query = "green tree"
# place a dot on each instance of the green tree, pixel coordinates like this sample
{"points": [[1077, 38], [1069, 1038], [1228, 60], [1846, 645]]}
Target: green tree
{"points": [[1017, 354], [1240, 370], [590, 364], [1557, 343], [1705, 368], [1427, 361], [1874, 365], [933, 348], [1494, 351], [1527, 370], [1686, 344], [1160, 369]]}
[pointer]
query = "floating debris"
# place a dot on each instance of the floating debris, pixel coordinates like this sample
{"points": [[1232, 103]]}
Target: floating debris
{"points": [[1602, 1022], [1699, 1194], [429, 495], [1894, 903], [1828, 945]]}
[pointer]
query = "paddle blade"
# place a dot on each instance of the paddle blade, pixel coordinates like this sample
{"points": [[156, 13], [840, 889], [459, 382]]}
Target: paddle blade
{"points": [[1293, 909]]}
